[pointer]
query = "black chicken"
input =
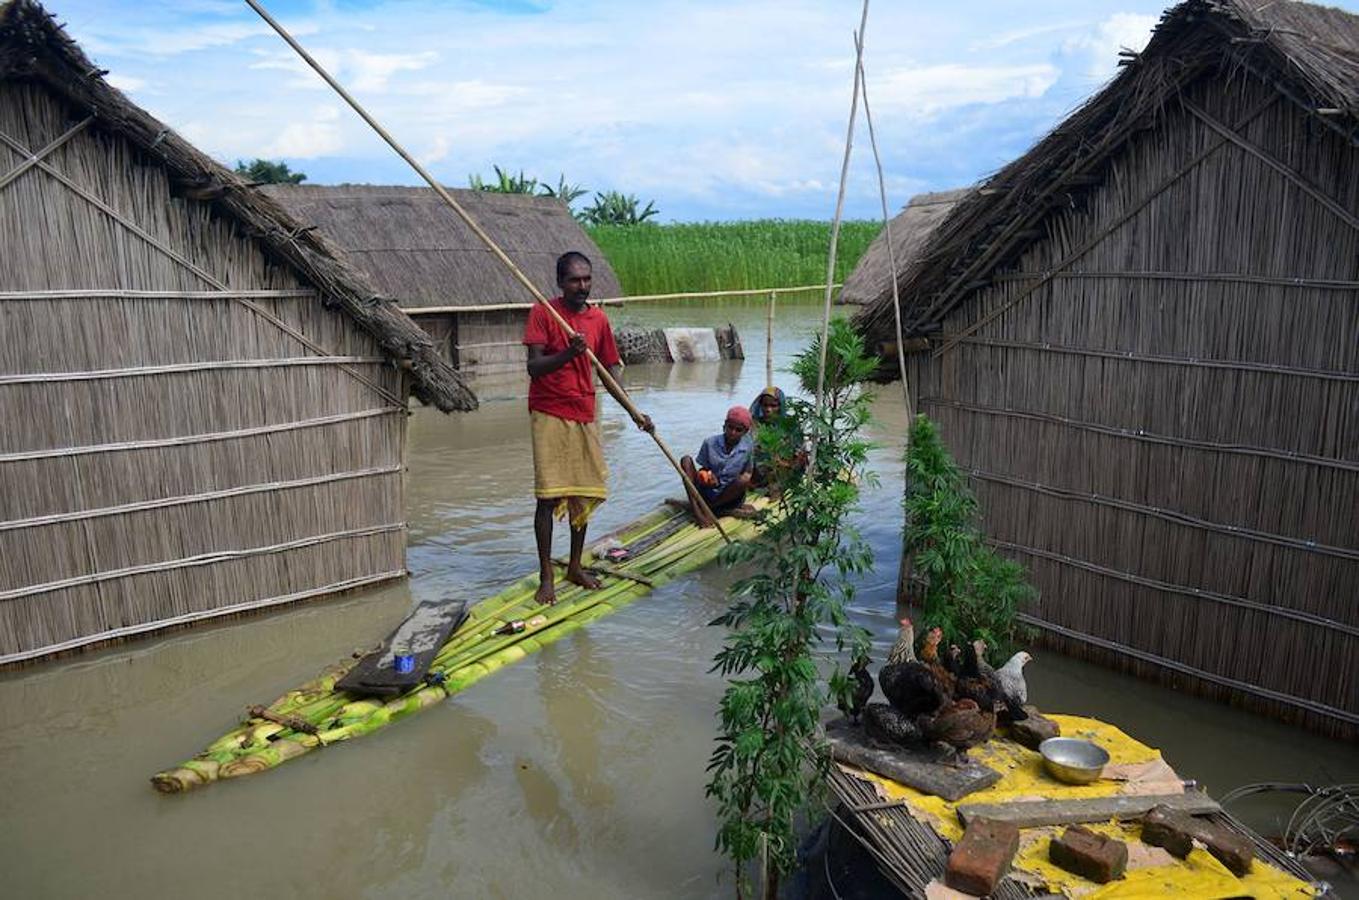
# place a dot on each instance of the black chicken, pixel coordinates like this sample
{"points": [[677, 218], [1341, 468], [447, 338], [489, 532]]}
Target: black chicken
{"points": [[860, 690], [907, 683], [978, 683], [888, 725]]}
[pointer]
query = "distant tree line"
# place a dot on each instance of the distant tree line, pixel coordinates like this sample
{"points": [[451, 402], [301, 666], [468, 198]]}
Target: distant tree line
{"points": [[266, 171]]}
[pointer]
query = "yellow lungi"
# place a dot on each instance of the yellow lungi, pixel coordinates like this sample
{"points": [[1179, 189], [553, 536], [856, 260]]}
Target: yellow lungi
{"points": [[568, 465]]}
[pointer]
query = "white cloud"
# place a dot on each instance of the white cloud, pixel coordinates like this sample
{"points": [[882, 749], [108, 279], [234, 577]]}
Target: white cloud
{"points": [[1102, 43], [125, 83], [711, 108], [307, 140]]}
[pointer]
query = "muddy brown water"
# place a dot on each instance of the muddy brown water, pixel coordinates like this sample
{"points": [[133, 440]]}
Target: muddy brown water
{"points": [[578, 772]]}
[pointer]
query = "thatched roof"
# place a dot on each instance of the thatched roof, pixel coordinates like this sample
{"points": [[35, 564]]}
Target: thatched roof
{"points": [[417, 251], [1309, 53], [912, 226], [34, 48]]}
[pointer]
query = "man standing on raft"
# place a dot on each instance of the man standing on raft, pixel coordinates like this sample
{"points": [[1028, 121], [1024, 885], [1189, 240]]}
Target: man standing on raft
{"points": [[569, 473]]}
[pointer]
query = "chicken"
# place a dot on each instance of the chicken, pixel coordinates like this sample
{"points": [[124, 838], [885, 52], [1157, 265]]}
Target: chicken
{"points": [[972, 684], [908, 684], [929, 655], [861, 688], [1010, 678], [888, 725], [954, 660], [1011, 704], [961, 725]]}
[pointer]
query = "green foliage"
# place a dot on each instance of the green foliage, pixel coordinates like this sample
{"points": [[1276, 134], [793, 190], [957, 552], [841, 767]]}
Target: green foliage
{"points": [[617, 208], [564, 191], [264, 171], [970, 590], [728, 256], [768, 761], [504, 183]]}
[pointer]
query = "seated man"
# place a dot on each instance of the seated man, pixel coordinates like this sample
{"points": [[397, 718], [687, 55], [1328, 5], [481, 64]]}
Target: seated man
{"points": [[722, 470]]}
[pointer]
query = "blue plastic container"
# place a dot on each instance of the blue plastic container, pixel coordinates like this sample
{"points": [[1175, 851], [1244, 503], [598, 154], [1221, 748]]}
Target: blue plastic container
{"points": [[404, 663]]}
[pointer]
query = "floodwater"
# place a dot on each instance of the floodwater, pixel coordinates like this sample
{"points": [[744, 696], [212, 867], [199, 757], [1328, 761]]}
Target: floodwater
{"points": [[577, 773]]}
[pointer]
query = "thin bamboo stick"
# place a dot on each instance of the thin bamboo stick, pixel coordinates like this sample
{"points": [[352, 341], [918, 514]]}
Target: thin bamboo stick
{"points": [[1269, 609], [114, 634], [13, 174], [1101, 353], [835, 226], [769, 341], [618, 301], [1168, 515], [206, 437], [205, 559], [1311, 706], [127, 294], [604, 375], [1330, 284], [206, 365], [891, 250], [204, 497]]}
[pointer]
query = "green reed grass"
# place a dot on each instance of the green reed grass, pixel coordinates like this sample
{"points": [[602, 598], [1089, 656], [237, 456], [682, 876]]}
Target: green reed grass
{"points": [[728, 256]]}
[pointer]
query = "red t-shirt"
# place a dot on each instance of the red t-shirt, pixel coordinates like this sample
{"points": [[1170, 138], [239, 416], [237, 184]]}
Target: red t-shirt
{"points": [[569, 392]]}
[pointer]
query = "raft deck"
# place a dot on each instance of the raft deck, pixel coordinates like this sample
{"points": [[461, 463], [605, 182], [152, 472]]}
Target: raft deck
{"points": [[661, 546], [910, 833]]}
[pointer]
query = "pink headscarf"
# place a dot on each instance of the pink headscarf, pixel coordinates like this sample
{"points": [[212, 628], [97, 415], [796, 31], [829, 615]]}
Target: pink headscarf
{"points": [[740, 415]]}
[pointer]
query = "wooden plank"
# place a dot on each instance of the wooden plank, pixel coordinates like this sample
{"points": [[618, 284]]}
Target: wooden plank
{"points": [[1036, 813], [423, 632], [931, 771]]}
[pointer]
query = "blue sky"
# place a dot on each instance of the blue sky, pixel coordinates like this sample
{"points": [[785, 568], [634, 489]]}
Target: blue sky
{"points": [[715, 110]]}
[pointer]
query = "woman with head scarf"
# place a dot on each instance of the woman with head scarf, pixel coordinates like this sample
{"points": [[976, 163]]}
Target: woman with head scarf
{"points": [[770, 406]]}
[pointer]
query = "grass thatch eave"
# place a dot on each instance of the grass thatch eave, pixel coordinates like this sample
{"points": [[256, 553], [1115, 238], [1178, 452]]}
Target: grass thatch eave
{"points": [[911, 230], [416, 251], [1309, 53], [33, 47]]}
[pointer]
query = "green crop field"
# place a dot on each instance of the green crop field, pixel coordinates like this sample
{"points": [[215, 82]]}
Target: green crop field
{"points": [[728, 256]]}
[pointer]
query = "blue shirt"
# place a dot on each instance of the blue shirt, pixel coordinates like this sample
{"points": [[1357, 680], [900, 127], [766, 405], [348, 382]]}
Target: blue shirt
{"points": [[727, 465]]}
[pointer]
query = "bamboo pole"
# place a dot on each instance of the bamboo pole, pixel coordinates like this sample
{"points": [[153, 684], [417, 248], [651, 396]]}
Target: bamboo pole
{"points": [[613, 386], [613, 301], [891, 250], [769, 342], [835, 227]]}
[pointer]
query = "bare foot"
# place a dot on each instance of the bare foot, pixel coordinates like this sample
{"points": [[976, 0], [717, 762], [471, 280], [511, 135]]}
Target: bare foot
{"points": [[547, 593], [584, 579], [744, 511]]}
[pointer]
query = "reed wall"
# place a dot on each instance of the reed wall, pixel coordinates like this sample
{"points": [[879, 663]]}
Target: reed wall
{"points": [[1167, 433], [169, 453]]}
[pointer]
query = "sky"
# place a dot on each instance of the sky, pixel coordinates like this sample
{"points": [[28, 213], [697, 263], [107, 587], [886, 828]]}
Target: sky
{"points": [[713, 110]]}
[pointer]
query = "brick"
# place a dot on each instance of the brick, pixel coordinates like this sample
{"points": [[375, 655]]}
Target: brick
{"points": [[982, 857], [1089, 854], [1176, 831], [1034, 730]]}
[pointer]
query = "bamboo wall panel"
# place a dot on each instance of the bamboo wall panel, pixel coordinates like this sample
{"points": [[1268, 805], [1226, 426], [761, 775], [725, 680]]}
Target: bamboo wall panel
{"points": [[479, 333], [68, 483], [76, 413], [93, 609], [1272, 495], [1097, 560], [60, 550], [56, 239]]}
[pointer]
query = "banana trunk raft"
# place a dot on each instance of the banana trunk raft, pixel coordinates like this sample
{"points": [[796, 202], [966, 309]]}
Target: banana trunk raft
{"points": [[661, 546]]}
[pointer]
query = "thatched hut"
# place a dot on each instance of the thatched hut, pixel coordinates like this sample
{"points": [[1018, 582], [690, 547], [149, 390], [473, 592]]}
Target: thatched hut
{"points": [[910, 228], [412, 246], [203, 406], [1144, 346]]}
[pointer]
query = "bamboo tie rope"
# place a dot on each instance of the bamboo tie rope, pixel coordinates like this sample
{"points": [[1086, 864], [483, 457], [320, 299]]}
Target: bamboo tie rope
{"points": [[610, 382], [835, 227], [891, 250], [195, 269]]}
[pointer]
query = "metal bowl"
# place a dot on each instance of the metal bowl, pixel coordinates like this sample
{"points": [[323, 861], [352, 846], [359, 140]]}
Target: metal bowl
{"points": [[1073, 760]]}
